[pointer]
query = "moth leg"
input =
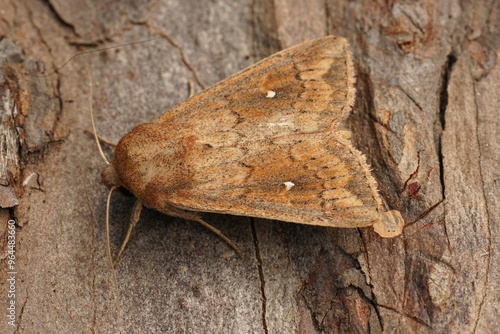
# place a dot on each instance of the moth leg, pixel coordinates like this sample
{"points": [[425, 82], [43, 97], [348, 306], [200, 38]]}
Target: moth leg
{"points": [[172, 211], [134, 218], [219, 233], [102, 139], [191, 89]]}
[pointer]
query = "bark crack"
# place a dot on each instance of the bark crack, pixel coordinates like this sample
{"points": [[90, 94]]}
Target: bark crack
{"points": [[372, 302], [412, 175], [413, 20], [488, 261], [443, 104], [412, 99], [318, 324], [367, 258], [258, 257], [58, 17]]}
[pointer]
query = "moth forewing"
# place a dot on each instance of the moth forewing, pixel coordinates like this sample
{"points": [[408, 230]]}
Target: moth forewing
{"points": [[265, 142]]}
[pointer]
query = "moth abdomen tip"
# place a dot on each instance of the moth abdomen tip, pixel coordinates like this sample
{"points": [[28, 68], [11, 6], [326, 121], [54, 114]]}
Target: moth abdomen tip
{"points": [[390, 225]]}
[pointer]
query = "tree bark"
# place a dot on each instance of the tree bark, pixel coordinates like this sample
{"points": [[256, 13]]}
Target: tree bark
{"points": [[426, 116]]}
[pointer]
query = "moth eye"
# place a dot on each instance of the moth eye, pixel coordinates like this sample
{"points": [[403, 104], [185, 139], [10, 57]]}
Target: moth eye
{"points": [[207, 146]]}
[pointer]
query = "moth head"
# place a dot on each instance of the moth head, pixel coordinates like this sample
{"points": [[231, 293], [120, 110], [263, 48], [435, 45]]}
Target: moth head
{"points": [[109, 176]]}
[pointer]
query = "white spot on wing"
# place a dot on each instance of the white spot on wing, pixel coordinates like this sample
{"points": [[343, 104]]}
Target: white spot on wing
{"points": [[288, 185], [271, 93]]}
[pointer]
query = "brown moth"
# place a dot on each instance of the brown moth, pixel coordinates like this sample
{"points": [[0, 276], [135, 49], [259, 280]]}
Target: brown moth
{"points": [[265, 142]]}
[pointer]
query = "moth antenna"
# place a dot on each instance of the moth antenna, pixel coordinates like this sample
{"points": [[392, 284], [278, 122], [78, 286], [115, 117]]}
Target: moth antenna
{"points": [[92, 51], [191, 89], [108, 246], [92, 115], [219, 233], [134, 218]]}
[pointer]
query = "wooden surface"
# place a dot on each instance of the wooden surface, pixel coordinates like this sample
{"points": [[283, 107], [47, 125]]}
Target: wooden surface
{"points": [[426, 115]]}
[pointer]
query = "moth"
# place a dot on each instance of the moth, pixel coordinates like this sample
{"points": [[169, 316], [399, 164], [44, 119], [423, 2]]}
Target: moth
{"points": [[266, 142]]}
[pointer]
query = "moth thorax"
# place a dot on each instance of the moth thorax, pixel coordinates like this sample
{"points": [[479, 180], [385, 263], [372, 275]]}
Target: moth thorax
{"points": [[110, 177]]}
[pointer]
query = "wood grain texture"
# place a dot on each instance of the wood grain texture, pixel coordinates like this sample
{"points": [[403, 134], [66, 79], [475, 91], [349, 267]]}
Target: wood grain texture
{"points": [[425, 117]]}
